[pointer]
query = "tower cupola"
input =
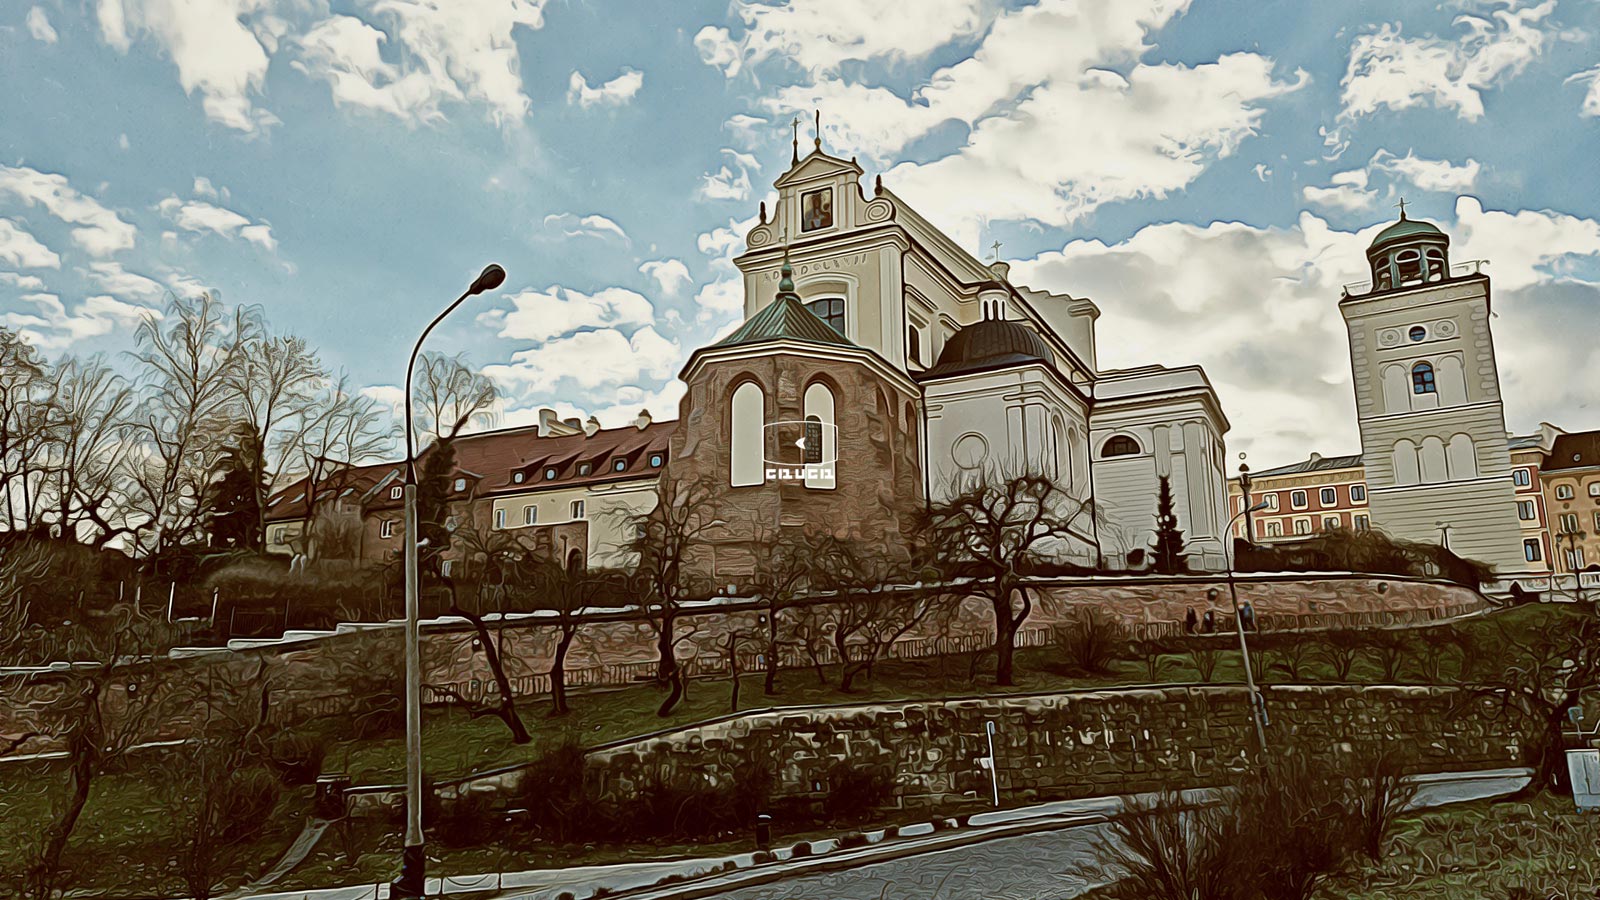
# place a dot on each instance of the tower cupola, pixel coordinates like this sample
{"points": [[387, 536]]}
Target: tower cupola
{"points": [[1408, 253]]}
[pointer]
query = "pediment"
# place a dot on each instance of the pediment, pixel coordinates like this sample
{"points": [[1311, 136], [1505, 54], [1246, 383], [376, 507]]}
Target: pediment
{"points": [[816, 167]]}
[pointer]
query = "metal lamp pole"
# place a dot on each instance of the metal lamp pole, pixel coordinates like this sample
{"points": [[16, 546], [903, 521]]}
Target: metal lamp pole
{"points": [[412, 882], [1238, 625]]}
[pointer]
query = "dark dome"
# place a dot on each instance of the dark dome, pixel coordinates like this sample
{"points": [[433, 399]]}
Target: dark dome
{"points": [[990, 344], [1407, 229]]}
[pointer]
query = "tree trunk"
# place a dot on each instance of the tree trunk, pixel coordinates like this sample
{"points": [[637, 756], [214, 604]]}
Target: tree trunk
{"points": [[48, 867], [674, 693], [1005, 635], [769, 686], [507, 708], [558, 675]]}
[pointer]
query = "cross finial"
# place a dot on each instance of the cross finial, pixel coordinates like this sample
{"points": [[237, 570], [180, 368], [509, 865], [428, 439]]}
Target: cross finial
{"points": [[817, 140], [794, 128], [996, 248], [1402, 205]]}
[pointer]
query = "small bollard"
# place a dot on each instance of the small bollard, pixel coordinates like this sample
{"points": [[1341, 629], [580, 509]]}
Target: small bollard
{"points": [[763, 831]]}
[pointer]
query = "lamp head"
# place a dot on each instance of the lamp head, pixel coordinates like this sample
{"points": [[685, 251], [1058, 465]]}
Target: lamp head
{"points": [[490, 278], [1259, 506]]}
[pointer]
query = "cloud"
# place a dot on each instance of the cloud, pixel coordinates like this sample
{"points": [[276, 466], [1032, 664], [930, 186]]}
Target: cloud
{"points": [[99, 231], [39, 26], [200, 216], [747, 129], [1258, 307], [720, 299], [1387, 70], [112, 278], [204, 188], [616, 92], [22, 282], [1428, 174], [464, 50], [819, 35], [592, 225], [589, 360], [731, 182], [21, 249], [670, 275], [1345, 191], [1591, 99], [542, 315], [51, 327]]}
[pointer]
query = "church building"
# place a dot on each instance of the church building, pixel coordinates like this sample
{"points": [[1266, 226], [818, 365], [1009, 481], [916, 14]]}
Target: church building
{"points": [[880, 365]]}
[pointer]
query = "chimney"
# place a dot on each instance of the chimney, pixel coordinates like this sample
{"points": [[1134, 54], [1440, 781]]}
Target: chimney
{"points": [[643, 421], [547, 417], [574, 423], [591, 426], [550, 425]]}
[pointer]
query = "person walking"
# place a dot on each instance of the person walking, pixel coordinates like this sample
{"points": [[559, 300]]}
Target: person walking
{"points": [[1190, 621], [1248, 614], [1208, 622]]}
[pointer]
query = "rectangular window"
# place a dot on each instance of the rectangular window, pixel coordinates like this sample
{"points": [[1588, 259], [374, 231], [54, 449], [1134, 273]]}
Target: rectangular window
{"points": [[1274, 529], [499, 518], [1563, 492], [1330, 496], [1302, 526], [386, 528], [1574, 557], [1597, 523], [1521, 478], [1329, 523], [1362, 523], [445, 567], [1297, 499], [1594, 488], [530, 514], [1569, 523], [1272, 501], [577, 509], [1358, 493], [395, 492], [1525, 510], [1531, 551]]}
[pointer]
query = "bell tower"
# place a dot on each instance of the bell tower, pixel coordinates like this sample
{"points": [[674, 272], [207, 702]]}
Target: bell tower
{"points": [[1433, 433]]}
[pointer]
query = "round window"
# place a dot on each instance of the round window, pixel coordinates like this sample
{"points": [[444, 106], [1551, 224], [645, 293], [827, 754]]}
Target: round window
{"points": [[1417, 332]]}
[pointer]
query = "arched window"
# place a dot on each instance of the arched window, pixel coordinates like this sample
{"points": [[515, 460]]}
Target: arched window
{"points": [[1432, 457], [574, 562], [819, 413], [1451, 382], [1395, 396], [1436, 263], [1407, 467], [1408, 266], [829, 310], [1060, 463], [1120, 445], [1461, 459], [1422, 379], [748, 412]]}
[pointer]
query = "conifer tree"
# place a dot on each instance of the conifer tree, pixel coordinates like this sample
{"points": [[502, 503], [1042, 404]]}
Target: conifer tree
{"points": [[1167, 554]]}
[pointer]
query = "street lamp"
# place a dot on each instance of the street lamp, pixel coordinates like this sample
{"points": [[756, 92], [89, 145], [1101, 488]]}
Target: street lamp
{"points": [[414, 861], [1244, 489], [1256, 706]]}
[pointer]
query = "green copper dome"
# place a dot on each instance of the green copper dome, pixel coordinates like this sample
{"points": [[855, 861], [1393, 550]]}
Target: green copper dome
{"points": [[1407, 229]]}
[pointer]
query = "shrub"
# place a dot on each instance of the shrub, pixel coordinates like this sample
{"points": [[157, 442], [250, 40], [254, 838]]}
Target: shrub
{"points": [[800, 850], [852, 840], [761, 856], [891, 832], [855, 791], [469, 820], [297, 756], [1089, 644], [552, 790]]}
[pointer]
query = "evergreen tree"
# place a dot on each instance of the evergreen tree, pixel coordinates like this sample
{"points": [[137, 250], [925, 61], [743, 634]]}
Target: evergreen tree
{"points": [[1167, 554], [435, 472], [232, 501]]}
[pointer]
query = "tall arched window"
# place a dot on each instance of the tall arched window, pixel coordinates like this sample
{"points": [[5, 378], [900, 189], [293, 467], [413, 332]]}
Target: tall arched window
{"points": [[748, 410], [813, 448], [1451, 382], [1422, 379], [1408, 266], [829, 310], [1432, 458], [1119, 445], [1060, 464], [1436, 263], [1461, 459], [1407, 467], [819, 413], [1395, 396]]}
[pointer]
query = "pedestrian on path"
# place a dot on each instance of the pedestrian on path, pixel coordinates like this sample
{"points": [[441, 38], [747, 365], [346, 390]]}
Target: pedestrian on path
{"points": [[1208, 623], [1248, 615], [1190, 620]]}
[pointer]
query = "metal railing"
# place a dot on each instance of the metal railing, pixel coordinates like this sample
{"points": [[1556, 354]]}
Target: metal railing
{"points": [[1457, 270]]}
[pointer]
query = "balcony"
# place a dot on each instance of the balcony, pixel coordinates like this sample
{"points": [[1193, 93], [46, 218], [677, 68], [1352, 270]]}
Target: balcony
{"points": [[1457, 270]]}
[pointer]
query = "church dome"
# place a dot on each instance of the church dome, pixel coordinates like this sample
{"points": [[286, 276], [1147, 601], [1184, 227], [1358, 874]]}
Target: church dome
{"points": [[991, 344], [1406, 230], [1408, 253]]}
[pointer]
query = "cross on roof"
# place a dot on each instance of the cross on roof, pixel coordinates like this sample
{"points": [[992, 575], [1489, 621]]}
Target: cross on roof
{"points": [[996, 248], [1402, 205]]}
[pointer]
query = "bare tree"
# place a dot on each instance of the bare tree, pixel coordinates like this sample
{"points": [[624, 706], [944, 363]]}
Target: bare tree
{"points": [[781, 580], [987, 536], [565, 590], [25, 427], [188, 358], [665, 541], [874, 609], [340, 430], [450, 396], [275, 383], [492, 551], [22, 563], [94, 408], [1340, 649]]}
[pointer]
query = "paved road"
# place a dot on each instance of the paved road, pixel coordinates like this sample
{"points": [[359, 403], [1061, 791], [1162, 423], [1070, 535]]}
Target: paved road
{"points": [[1043, 866]]}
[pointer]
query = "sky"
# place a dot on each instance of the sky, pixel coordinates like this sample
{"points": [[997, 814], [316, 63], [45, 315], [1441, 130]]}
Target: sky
{"points": [[1209, 172]]}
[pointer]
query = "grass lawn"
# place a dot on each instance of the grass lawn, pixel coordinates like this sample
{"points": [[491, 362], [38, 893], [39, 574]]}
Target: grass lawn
{"points": [[1514, 850]]}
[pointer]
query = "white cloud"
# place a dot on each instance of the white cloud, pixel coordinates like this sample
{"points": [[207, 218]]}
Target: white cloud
{"points": [[1524, 248], [589, 360], [122, 141], [99, 231], [721, 298], [819, 35], [593, 225], [616, 92], [1591, 99], [39, 26], [556, 310], [204, 188], [1263, 171], [670, 275], [1345, 191], [731, 181], [22, 282], [1388, 70], [747, 129], [112, 278], [51, 327], [463, 50], [21, 249], [1428, 174], [200, 216]]}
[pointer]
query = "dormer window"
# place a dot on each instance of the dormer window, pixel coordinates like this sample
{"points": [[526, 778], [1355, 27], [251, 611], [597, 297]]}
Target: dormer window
{"points": [[585, 468], [516, 477], [619, 465], [655, 460], [394, 492], [461, 484], [550, 474]]}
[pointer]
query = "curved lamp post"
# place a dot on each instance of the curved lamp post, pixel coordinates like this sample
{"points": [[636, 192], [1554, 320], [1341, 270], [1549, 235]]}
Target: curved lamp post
{"points": [[414, 861], [1257, 709]]}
